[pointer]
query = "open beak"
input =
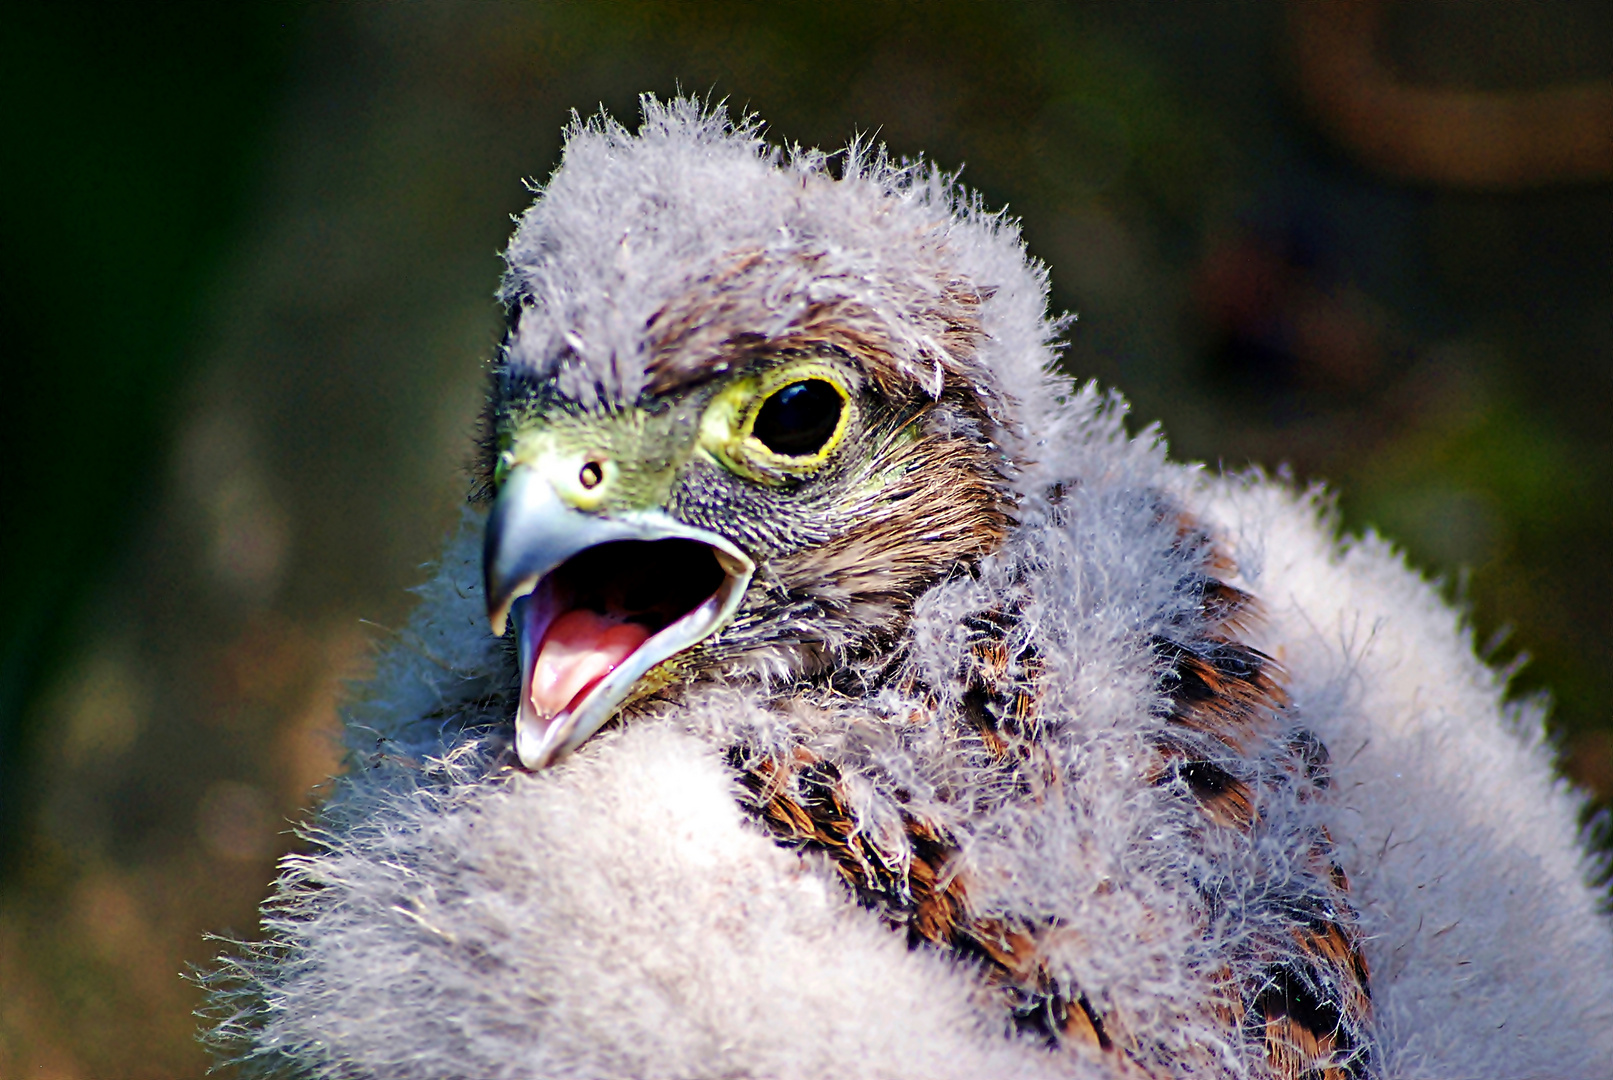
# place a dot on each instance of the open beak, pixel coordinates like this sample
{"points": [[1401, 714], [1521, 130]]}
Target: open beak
{"points": [[598, 600]]}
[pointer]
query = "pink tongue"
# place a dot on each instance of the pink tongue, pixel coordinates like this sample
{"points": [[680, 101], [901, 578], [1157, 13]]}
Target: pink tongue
{"points": [[581, 648]]}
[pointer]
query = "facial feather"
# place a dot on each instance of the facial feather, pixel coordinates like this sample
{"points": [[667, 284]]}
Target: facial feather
{"points": [[918, 491]]}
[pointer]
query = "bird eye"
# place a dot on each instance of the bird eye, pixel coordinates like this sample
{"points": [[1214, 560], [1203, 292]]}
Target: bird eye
{"points": [[799, 419]]}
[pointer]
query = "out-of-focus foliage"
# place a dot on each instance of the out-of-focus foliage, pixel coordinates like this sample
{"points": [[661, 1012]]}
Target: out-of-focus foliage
{"points": [[130, 137], [233, 435]]}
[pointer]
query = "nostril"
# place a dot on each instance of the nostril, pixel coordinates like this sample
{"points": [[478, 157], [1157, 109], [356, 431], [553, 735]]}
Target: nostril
{"points": [[591, 475]]}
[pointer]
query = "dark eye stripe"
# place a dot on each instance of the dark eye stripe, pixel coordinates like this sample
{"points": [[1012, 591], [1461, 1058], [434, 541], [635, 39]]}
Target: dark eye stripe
{"points": [[799, 419]]}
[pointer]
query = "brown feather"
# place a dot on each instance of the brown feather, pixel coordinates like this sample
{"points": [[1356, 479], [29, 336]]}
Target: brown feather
{"points": [[1227, 696], [1225, 701]]}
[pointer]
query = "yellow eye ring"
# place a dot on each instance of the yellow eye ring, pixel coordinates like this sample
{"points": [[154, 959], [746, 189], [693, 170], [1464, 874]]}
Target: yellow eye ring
{"points": [[728, 430]]}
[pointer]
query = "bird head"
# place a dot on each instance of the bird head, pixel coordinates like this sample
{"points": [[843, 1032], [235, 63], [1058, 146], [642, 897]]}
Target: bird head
{"points": [[739, 422]]}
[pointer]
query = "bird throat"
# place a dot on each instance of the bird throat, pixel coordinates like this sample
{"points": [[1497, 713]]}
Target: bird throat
{"points": [[580, 648]]}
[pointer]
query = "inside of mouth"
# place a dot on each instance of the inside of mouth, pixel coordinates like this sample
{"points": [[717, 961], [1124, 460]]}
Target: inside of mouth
{"points": [[605, 602]]}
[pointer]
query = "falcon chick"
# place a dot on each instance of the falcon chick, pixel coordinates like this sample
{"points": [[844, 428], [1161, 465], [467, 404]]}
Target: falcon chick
{"points": [[833, 689]]}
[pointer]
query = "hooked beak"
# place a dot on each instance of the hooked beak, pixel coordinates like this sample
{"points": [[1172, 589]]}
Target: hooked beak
{"points": [[598, 600]]}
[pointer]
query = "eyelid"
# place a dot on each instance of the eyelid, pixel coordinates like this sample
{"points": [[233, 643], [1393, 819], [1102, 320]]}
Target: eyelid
{"points": [[725, 429], [776, 379], [766, 391]]}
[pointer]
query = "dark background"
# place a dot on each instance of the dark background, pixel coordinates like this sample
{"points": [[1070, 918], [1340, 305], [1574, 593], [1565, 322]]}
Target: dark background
{"points": [[248, 261]]}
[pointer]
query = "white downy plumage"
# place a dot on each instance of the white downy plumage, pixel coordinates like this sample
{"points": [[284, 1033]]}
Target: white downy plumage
{"points": [[1490, 955], [619, 915]]}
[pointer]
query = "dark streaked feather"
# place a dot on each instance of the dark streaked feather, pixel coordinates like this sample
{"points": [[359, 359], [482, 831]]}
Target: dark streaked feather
{"points": [[1310, 1004]]}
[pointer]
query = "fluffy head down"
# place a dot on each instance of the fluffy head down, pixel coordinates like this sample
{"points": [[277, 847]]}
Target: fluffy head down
{"points": [[1068, 818], [649, 257]]}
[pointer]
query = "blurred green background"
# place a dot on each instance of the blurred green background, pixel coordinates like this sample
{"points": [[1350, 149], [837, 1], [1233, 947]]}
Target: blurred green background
{"points": [[249, 254]]}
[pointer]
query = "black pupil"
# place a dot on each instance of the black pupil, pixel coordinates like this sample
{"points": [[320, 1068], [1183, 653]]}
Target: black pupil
{"points": [[798, 420]]}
